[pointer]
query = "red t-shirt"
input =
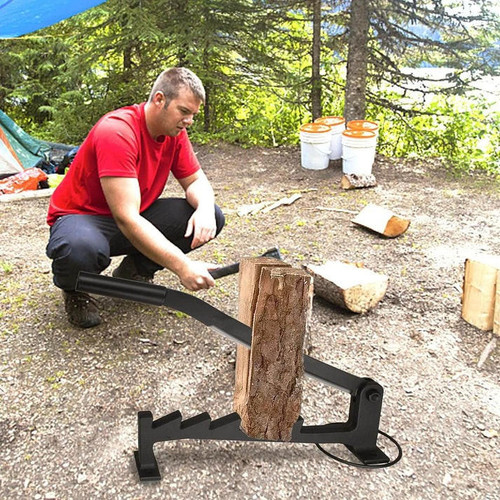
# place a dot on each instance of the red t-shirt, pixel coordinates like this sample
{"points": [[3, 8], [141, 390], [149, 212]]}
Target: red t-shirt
{"points": [[119, 145]]}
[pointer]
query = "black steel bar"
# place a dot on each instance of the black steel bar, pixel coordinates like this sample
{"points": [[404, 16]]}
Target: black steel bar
{"points": [[359, 433], [206, 314]]}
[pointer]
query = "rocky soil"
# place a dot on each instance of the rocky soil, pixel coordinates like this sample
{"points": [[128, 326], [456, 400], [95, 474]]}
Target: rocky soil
{"points": [[70, 397]]}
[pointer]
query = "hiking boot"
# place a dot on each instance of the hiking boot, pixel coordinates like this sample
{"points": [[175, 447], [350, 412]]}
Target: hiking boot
{"points": [[81, 309], [128, 271]]}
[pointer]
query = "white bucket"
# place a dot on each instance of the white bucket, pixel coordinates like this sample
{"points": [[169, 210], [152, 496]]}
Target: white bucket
{"points": [[358, 151], [315, 141], [337, 124], [363, 125]]}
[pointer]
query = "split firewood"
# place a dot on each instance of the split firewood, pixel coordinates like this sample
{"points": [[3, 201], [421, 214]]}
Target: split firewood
{"points": [[381, 220], [248, 279], [354, 181], [273, 395], [480, 291], [347, 285]]}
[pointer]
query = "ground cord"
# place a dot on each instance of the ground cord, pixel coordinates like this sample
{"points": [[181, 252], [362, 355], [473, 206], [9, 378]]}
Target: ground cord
{"points": [[364, 466]]}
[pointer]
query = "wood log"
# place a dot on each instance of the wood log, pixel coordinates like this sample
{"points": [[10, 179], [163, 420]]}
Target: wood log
{"points": [[480, 290], [354, 181], [273, 400], [348, 285], [382, 221], [248, 282]]}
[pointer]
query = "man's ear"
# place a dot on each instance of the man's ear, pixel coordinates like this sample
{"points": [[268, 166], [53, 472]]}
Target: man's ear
{"points": [[159, 99]]}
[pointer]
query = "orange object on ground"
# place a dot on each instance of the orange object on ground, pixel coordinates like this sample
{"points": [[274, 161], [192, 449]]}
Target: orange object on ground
{"points": [[23, 181]]}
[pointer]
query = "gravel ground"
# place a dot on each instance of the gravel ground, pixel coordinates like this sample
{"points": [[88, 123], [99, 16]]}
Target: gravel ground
{"points": [[68, 422]]}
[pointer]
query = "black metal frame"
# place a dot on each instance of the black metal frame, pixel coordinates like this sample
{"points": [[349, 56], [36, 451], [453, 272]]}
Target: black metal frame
{"points": [[359, 433]]}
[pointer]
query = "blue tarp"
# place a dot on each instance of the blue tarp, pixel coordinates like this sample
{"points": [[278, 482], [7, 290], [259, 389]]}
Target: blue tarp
{"points": [[19, 17]]}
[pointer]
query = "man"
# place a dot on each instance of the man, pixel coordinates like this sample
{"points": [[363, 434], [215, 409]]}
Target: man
{"points": [[108, 204]]}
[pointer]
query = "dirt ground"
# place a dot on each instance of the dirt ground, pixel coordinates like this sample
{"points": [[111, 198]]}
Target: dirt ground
{"points": [[70, 397]]}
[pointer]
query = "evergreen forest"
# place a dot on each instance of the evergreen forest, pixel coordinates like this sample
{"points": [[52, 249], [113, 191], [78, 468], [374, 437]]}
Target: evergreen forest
{"points": [[427, 72]]}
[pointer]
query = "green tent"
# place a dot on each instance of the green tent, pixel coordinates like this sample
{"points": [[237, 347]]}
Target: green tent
{"points": [[30, 151]]}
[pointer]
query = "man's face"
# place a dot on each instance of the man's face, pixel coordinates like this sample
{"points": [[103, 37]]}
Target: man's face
{"points": [[179, 113]]}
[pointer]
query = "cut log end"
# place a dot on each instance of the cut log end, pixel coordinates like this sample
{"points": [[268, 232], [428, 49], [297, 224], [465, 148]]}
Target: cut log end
{"points": [[396, 226]]}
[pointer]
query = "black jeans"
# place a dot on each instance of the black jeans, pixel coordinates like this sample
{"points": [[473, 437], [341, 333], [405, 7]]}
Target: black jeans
{"points": [[87, 242]]}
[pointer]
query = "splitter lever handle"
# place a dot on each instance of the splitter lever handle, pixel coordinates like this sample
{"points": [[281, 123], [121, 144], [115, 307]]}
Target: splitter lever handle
{"points": [[121, 288]]}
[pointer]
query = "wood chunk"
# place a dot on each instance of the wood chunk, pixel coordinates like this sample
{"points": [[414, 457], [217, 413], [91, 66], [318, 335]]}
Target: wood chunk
{"points": [[381, 220], [274, 396], [480, 290], [355, 181], [350, 286], [248, 279]]}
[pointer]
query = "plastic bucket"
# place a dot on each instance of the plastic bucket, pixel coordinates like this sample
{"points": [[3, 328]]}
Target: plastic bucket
{"points": [[363, 125], [315, 140], [337, 124], [358, 151]]}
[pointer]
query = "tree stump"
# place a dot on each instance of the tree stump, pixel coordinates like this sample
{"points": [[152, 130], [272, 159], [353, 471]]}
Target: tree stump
{"points": [[382, 221], [271, 403], [480, 302], [346, 285]]}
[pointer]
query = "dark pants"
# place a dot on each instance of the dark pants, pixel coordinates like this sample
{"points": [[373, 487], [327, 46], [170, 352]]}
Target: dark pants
{"points": [[87, 242]]}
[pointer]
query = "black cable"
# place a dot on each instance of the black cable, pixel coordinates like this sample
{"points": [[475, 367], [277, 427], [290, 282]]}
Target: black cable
{"points": [[364, 466]]}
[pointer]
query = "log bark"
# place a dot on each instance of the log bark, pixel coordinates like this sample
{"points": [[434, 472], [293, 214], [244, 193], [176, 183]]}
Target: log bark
{"points": [[382, 221], [274, 389], [248, 281], [480, 290], [353, 181], [346, 285]]}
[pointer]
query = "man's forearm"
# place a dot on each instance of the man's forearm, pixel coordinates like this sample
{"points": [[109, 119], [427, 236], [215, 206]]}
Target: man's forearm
{"points": [[200, 194]]}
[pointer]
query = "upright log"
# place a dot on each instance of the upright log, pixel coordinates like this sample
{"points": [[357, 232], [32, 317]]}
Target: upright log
{"points": [[272, 401], [480, 290], [249, 276]]}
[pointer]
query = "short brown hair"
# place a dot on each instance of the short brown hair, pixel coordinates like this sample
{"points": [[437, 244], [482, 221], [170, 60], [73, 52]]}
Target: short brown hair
{"points": [[171, 80]]}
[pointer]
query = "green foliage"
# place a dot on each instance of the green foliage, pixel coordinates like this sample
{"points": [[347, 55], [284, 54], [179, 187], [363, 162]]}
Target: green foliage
{"points": [[254, 59], [463, 131]]}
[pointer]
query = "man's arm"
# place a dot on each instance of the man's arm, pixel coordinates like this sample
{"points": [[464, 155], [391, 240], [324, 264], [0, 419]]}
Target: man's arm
{"points": [[123, 197], [200, 196]]}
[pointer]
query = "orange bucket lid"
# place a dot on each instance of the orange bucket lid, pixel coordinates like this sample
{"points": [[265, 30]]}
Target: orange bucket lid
{"points": [[358, 134], [362, 125], [330, 120], [315, 128]]}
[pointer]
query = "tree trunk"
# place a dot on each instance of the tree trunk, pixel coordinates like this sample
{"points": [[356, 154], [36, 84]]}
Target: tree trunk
{"points": [[316, 61], [357, 61]]}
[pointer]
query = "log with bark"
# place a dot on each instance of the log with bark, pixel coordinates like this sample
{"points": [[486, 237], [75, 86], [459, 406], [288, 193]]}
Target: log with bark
{"points": [[270, 405], [354, 181], [349, 286]]}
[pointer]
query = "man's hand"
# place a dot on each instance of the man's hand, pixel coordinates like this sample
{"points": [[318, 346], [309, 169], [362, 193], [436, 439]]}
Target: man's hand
{"points": [[202, 226], [195, 276]]}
